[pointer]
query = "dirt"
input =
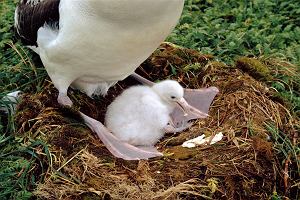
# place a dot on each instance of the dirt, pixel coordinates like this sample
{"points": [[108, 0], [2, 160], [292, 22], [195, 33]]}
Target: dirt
{"points": [[241, 166]]}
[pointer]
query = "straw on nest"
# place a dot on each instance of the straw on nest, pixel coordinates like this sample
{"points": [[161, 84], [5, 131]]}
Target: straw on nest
{"points": [[241, 166]]}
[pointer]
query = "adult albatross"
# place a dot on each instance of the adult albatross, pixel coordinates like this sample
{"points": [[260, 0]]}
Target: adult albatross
{"points": [[91, 44]]}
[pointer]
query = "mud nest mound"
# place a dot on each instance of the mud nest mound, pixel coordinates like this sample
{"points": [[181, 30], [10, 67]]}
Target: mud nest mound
{"points": [[242, 166]]}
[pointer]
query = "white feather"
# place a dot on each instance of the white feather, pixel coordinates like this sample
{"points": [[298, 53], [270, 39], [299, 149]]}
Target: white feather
{"points": [[140, 114], [101, 42]]}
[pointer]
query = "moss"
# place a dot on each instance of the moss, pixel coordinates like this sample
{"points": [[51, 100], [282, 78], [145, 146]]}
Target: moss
{"points": [[254, 67], [217, 64], [182, 153]]}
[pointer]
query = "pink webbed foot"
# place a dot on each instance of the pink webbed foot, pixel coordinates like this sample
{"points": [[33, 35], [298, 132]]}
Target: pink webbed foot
{"points": [[117, 147], [199, 99]]}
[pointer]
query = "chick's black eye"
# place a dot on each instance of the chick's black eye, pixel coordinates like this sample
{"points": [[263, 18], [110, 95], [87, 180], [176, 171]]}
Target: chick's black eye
{"points": [[173, 97]]}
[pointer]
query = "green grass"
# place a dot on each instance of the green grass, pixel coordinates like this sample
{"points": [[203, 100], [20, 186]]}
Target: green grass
{"points": [[225, 28], [17, 70], [20, 164], [261, 28], [231, 28]]}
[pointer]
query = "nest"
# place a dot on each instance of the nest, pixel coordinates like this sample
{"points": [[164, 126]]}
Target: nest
{"points": [[242, 166]]}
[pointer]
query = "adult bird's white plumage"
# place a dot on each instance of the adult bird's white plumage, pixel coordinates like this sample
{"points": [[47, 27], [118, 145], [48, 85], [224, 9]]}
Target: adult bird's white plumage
{"points": [[92, 44], [101, 42], [141, 114]]}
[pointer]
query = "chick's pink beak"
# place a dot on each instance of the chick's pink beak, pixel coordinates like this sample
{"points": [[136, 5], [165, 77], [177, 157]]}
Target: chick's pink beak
{"points": [[190, 110]]}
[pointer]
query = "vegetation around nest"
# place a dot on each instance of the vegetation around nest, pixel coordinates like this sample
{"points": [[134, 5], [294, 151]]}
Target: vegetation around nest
{"points": [[249, 50]]}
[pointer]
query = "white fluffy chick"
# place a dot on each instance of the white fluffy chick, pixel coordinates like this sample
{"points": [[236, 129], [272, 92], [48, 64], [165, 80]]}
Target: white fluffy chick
{"points": [[141, 114]]}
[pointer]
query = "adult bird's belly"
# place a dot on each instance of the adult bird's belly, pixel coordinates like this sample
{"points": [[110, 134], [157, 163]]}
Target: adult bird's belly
{"points": [[111, 50]]}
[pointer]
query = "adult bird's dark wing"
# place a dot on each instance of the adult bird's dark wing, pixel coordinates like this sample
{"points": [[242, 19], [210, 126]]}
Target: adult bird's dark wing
{"points": [[30, 15]]}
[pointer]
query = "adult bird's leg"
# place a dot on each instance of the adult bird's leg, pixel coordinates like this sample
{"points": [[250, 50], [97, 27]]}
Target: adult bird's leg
{"points": [[197, 98], [61, 84], [141, 79], [63, 99]]}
